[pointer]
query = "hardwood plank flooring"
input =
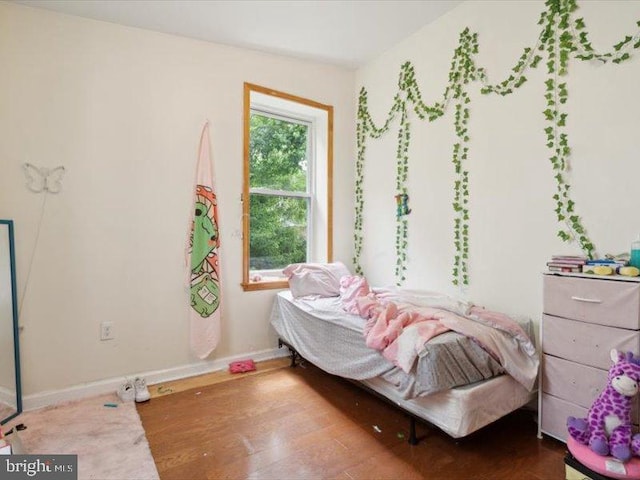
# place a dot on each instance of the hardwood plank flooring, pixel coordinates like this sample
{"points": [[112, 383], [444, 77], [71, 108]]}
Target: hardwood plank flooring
{"points": [[299, 423]]}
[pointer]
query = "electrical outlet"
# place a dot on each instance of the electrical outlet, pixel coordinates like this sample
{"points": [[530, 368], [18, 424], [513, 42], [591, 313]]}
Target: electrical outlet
{"points": [[106, 331]]}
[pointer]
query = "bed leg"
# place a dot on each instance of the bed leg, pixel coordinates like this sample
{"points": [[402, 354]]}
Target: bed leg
{"points": [[293, 354], [413, 439]]}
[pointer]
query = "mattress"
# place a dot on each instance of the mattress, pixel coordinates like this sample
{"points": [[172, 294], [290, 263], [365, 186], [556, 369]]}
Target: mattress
{"points": [[324, 334], [462, 410]]}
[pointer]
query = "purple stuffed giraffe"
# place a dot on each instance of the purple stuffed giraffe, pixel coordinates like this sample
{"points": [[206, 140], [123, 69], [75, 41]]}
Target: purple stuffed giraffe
{"points": [[607, 428]]}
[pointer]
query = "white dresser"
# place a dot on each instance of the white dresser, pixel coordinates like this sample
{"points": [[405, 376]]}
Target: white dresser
{"points": [[584, 317]]}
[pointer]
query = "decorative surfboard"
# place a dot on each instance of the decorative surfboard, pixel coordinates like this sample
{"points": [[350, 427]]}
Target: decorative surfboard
{"points": [[202, 257]]}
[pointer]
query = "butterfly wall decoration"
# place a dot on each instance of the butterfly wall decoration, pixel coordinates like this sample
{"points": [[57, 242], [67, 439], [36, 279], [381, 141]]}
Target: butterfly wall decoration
{"points": [[42, 179]]}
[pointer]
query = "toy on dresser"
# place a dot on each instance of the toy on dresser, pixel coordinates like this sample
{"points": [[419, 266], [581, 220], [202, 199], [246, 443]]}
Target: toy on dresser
{"points": [[607, 428]]}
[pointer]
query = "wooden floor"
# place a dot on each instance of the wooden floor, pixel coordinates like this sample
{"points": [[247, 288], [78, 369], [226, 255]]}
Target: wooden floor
{"points": [[298, 423]]}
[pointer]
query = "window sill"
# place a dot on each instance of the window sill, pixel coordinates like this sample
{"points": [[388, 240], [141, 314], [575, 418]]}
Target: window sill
{"points": [[270, 285]]}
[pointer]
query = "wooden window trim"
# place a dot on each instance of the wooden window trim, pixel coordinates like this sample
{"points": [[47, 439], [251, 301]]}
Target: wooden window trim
{"points": [[248, 88]]}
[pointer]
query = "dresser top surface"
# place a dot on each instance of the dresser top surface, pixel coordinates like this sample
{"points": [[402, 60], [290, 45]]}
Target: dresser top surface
{"points": [[614, 278]]}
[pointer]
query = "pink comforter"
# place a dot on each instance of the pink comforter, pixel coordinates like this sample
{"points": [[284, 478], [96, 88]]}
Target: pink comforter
{"points": [[399, 330]]}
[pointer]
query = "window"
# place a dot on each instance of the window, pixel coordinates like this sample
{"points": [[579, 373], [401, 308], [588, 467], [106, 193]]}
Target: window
{"points": [[287, 211]]}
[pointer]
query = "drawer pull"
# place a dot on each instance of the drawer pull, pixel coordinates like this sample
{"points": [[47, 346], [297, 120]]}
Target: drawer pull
{"points": [[586, 300]]}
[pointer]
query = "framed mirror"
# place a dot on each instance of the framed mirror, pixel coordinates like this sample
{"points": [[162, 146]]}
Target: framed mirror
{"points": [[10, 390]]}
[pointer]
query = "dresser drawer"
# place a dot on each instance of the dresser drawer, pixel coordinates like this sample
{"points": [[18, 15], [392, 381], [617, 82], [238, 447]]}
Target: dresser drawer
{"points": [[570, 380], [555, 412], [578, 383], [605, 302], [585, 342]]}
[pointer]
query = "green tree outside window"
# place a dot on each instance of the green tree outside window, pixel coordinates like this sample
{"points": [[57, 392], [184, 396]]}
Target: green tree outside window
{"points": [[279, 198]]}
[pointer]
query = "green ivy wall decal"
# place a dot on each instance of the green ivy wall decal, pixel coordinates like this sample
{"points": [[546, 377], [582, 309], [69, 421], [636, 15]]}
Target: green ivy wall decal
{"points": [[561, 37]]}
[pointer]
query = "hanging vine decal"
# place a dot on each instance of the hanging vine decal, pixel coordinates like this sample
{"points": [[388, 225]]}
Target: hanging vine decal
{"points": [[366, 128], [402, 171], [465, 71], [561, 37]]}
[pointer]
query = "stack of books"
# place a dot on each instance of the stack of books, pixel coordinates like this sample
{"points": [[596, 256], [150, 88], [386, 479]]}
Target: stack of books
{"points": [[581, 264], [567, 263]]}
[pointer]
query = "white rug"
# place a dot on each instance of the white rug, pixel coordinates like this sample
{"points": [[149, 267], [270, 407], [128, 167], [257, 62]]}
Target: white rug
{"points": [[110, 442]]}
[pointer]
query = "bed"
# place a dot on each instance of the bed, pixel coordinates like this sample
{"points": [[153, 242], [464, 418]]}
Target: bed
{"points": [[455, 383]]}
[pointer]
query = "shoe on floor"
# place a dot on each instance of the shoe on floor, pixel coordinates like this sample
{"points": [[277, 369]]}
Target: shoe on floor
{"points": [[127, 392], [142, 392]]}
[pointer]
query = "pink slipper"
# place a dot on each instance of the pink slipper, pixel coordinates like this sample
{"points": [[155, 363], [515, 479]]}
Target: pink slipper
{"points": [[242, 366]]}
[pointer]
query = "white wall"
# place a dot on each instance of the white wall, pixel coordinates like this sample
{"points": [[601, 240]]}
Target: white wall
{"points": [[122, 109], [512, 219]]}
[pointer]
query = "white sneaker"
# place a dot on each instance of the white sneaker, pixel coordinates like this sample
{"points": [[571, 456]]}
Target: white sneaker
{"points": [[127, 392], [142, 393]]}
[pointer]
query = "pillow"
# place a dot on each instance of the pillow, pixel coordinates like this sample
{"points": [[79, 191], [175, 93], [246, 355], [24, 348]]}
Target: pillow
{"points": [[319, 279]]}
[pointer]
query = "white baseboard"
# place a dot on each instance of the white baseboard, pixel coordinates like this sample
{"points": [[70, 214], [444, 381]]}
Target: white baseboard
{"points": [[52, 397]]}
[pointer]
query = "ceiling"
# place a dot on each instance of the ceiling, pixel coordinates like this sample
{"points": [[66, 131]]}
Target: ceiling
{"points": [[347, 33]]}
